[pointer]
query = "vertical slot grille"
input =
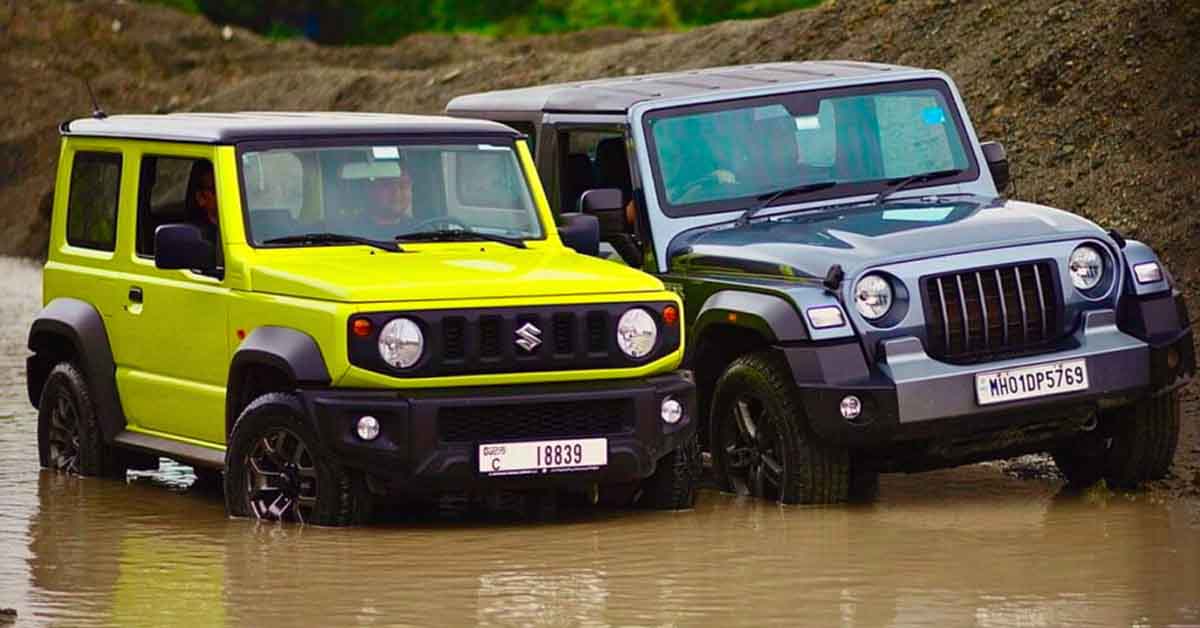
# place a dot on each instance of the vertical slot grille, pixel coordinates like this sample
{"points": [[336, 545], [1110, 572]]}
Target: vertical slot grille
{"points": [[975, 314], [489, 337], [597, 325], [564, 333], [453, 337]]}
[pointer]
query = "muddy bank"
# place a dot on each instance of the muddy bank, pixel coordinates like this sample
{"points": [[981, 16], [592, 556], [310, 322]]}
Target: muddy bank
{"points": [[1095, 100]]}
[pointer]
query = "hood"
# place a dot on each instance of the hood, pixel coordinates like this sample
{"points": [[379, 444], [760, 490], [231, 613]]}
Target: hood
{"points": [[805, 245], [441, 272]]}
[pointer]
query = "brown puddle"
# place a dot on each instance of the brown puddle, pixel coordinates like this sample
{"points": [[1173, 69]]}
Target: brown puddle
{"points": [[967, 547]]}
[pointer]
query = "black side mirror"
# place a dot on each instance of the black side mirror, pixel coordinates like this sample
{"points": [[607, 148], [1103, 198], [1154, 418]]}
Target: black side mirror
{"points": [[581, 232], [607, 206], [997, 162], [182, 246]]}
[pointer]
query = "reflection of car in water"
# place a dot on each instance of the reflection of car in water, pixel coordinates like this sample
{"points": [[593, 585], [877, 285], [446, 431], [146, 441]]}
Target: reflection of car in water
{"points": [[975, 548], [338, 308], [861, 296]]}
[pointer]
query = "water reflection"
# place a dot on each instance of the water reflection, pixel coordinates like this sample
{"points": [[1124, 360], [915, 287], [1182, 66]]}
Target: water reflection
{"points": [[980, 550]]}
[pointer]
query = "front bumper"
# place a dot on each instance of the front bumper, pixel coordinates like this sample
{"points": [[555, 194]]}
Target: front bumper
{"points": [[429, 440], [909, 396]]}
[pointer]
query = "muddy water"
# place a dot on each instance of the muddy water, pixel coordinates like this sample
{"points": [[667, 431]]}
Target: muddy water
{"points": [[969, 547]]}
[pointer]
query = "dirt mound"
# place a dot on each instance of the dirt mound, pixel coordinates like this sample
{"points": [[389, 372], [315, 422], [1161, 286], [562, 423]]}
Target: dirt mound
{"points": [[1095, 99]]}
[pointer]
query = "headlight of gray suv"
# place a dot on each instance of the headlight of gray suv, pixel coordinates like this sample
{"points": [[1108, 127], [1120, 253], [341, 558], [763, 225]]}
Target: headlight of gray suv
{"points": [[873, 297], [401, 343], [1086, 266]]}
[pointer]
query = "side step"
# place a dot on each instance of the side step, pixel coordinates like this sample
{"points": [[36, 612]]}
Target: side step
{"points": [[191, 454]]}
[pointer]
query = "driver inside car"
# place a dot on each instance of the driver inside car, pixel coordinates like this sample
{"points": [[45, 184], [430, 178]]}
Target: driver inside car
{"points": [[389, 208]]}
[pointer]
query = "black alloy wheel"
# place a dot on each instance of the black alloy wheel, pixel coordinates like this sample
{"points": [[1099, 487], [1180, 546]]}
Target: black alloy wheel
{"points": [[277, 470], [62, 439], [282, 478], [754, 452]]}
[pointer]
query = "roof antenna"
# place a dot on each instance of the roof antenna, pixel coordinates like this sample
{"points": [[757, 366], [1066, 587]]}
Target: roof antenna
{"points": [[97, 112]]}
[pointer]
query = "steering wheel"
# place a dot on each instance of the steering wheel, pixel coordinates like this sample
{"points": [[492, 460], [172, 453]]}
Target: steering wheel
{"points": [[428, 223], [710, 182]]}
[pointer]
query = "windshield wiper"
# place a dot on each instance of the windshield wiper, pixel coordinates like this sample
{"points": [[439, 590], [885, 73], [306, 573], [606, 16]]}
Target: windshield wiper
{"points": [[765, 200], [335, 238], [895, 185], [450, 235]]}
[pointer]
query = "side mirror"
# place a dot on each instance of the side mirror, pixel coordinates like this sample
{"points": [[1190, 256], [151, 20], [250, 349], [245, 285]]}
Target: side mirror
{"points": [[997, 162], [581, 232], [182, 246], [605, 204]]}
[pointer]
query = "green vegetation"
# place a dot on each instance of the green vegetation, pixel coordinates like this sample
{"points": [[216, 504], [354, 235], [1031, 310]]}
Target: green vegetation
{"points": [[385, 21]]}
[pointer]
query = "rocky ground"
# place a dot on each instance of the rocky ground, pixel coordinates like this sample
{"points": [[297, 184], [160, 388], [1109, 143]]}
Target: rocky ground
{"points": [[1094, 99]]}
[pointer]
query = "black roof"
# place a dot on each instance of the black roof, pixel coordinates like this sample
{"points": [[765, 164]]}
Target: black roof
{"points": [[225, 128], [616, 95]]}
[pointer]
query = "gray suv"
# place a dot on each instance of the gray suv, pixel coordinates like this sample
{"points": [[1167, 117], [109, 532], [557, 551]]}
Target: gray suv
{"points": [[860, 295]]}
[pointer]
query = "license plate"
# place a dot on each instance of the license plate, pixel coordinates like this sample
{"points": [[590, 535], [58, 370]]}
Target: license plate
{"points": [[545, 456], [1027, 382]]}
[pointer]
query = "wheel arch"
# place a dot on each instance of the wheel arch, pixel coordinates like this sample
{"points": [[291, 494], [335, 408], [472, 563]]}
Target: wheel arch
{"points": [[72, 329], [732, 323], [272, 359]]}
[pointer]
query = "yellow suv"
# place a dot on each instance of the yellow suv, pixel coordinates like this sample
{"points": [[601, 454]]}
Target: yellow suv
{"points": [[332, 308]]}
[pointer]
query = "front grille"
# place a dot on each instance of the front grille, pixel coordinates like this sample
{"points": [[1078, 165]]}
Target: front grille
{"points": [[978, 314], [534, 421], [513, 340]]}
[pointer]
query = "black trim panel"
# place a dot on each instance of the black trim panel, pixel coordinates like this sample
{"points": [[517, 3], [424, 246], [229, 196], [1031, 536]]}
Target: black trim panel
{"points": [[773, 317], [77, 323], [293, 353]]}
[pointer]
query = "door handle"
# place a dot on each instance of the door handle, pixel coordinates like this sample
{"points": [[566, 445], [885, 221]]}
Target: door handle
{"points": [[135, 294]]}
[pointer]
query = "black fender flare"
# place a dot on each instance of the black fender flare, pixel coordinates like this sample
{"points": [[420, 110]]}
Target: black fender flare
{"points": [[79, 326], [288, 351], [771, 316]]}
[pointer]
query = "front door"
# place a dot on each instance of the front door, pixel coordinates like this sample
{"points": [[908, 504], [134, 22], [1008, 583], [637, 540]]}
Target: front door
{"points": [[172, 351]]}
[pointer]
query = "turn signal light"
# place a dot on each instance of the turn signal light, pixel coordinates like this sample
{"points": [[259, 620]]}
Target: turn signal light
{"points": [[361, 327], [670, 315]]}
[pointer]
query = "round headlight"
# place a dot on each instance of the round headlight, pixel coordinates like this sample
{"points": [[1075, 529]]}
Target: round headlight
{"points": [[873, 297], [401, 343], [1087, 267], [636, 333]]}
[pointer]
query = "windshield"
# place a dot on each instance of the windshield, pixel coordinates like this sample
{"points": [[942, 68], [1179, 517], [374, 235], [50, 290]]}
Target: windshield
{"points": [[721, 156], [385, 190]]}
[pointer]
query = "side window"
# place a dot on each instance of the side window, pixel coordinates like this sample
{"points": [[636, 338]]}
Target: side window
{"points": [[592, 159], [92, 201], [171, 190]]}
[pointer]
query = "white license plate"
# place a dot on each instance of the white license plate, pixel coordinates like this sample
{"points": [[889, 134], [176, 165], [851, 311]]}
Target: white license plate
{"points": [[1027, 382], [545, 456]]}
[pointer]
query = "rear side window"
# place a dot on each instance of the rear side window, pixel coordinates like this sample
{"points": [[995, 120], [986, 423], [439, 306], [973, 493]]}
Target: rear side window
{"points": [[92, 201]]}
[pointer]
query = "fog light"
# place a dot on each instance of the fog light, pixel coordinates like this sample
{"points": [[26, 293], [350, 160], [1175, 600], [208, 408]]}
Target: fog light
{"points": [[851, 407], [368, 428], [672, 411]]}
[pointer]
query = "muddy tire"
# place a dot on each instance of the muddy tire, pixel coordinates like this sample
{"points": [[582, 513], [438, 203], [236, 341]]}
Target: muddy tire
{"points": [[1132, 445], [762, 445], [276, 469], [69, 436], [673, 485]]}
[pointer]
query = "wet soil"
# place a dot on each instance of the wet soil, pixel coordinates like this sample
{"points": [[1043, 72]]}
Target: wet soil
{"points": [[997, 544]]}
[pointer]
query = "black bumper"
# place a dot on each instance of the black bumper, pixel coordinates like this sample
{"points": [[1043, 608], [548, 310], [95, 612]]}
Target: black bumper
{"points": [[429, 440]]}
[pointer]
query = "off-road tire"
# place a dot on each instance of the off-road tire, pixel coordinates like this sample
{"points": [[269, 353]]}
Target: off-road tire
{"points": [[812, 472], [66, 390], [673, 484], [1131, 445], [341, 496]]}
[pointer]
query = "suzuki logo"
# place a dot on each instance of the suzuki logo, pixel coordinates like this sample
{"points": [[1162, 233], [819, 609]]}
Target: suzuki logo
{"points": [[529, 337]]}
